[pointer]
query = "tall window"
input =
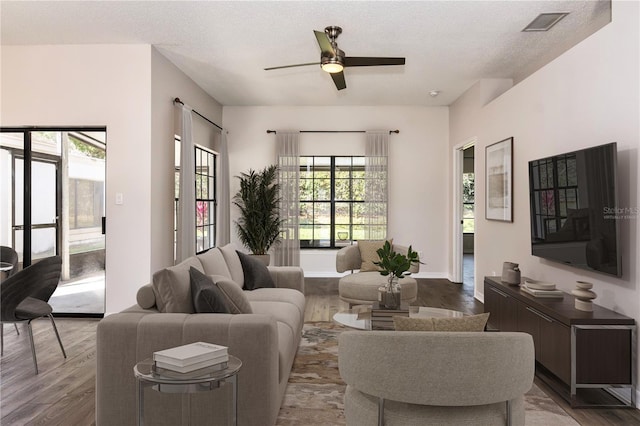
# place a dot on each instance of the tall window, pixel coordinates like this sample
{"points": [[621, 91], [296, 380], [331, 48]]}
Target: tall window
{"points": [[205, 182], [331, 201]]}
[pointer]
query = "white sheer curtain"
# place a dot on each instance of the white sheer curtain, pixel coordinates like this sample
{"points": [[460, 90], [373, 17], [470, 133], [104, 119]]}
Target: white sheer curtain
{"points": [[376, 187], [287, 253], [186, 238], [224, 198]]}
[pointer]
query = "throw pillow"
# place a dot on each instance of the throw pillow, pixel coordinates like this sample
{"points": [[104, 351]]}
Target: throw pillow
{"points": [[412, 324], [172, 287], [369, 254], [468, 323], [207, 298], [237, 301], [256, 275]]}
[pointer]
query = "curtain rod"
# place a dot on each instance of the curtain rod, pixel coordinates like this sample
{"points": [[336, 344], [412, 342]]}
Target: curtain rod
{"points": [[334, 131], [178, 101]]}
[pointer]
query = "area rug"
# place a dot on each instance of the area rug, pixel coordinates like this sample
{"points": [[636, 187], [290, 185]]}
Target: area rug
{"points": [[315, 391]]}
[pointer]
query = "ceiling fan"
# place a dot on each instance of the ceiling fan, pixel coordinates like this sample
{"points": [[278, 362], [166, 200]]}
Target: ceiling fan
{"points": [[333, 60]]}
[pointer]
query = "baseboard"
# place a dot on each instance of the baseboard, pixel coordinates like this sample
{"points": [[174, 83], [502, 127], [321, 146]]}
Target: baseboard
{"points": [[329, 274]]}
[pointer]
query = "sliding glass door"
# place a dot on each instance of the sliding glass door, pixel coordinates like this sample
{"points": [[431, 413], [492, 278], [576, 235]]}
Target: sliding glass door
{"points": [[53, 203]]}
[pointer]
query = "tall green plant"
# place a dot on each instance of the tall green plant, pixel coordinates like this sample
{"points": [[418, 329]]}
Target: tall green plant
{"points": [[258, 198]]}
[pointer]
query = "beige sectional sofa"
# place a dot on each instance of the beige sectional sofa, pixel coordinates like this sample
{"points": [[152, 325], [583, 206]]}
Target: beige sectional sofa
{"points": [[265, 341]]}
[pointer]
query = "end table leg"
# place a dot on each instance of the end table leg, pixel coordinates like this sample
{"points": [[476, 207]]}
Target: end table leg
{"points": [[234, 408], [140, 397]]}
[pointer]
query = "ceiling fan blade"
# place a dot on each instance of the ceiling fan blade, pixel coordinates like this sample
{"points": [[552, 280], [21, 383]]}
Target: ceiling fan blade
{"points": [[291, 66], [355, 61], [338, 79], [325, 44]]}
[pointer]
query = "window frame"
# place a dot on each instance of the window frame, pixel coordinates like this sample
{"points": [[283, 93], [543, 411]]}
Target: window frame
{"points": [[212, 213], [332, 201]]}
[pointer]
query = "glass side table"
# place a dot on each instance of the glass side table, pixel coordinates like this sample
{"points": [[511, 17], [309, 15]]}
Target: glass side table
{"points": [[185, 383]]}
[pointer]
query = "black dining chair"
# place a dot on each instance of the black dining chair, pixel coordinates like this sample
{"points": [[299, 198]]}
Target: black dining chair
{"points": [[8, 256], [24, 296]]}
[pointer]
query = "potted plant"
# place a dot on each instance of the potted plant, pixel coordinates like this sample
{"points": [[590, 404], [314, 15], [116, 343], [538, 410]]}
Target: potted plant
{"points": [[395, 266], [259, 222]]}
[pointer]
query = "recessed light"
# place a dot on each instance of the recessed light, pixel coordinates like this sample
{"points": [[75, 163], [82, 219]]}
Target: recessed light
{"points": [[434, 93], [545, 21]]}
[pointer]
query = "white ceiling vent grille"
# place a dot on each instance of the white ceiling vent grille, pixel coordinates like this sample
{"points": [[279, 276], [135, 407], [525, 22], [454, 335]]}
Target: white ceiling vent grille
{"points": [[545, 21]]}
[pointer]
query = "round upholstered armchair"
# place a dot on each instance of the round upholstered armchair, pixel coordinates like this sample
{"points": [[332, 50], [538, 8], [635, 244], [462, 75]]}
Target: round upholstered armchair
{"points": [[361, 287], [402, 378]]}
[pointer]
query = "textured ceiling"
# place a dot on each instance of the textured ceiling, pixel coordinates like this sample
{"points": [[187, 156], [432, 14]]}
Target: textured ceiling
{"points": [[224, 46]]}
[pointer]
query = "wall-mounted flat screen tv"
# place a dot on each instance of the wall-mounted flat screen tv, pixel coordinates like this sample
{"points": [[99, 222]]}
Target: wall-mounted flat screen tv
{"points": [[573, 206]]}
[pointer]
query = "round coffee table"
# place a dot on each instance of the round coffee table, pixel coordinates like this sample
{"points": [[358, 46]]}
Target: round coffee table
{"points": [[359, 317]]}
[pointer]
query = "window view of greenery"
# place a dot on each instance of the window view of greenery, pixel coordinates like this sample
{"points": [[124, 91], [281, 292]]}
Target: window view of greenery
{"points": [[468, 197], [331, 201], [205, 200], [205, 174]]}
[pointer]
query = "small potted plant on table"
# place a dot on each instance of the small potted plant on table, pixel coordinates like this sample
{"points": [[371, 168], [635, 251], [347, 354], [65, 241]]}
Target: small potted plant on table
{"points": [[395, 266]]}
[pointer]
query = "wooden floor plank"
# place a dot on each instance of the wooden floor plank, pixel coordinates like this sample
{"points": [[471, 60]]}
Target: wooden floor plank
{"points": [[64, 391]]}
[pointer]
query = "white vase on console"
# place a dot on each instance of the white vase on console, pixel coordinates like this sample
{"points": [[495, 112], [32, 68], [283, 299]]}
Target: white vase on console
{"points": [[584, 296]]}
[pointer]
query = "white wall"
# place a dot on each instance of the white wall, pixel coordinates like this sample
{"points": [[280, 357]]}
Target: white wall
{"points": [[125, 88], [417, 167], [167, 83], [588, 96], [95, 85]]}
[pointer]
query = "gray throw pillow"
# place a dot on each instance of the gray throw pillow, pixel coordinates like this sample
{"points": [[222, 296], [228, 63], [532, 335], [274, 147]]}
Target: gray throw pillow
{"points": [[206, 297], [237, 301], [256, 275]]}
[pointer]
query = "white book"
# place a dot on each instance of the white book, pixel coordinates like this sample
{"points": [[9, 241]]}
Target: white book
{"points": [[196, 366], [178, 372], [190, 354]]}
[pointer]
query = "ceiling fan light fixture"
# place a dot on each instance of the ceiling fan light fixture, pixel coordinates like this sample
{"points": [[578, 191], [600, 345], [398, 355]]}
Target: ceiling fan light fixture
{"points": [[332, 67]]}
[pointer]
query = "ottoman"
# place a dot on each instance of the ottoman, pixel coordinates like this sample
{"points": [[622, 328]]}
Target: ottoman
{"points": [[362, 288]]}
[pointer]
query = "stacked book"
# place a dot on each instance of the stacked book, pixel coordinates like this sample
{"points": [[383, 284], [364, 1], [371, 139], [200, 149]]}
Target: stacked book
{"points": [[195, 357], [382, 318], [540, 289]]}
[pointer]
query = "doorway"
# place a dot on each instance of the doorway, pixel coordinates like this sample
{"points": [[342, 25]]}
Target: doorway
{"points": [[53, 203], [464, 214]]}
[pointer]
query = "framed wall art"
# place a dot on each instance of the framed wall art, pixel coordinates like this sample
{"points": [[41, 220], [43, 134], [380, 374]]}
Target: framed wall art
{"points": [[499, 181]]}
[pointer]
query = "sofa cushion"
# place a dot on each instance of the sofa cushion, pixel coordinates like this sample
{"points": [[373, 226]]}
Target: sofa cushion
{"points": [[256, 275], [214, 263], [233, 263], [207, 297], [283, 312], [466, 323], [401, 323], [235, 297], [173, 286], [369, 254], [287, 295]]}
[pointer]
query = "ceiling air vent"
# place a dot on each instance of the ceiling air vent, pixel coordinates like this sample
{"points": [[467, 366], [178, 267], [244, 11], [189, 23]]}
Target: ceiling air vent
{"points": [[545, 21]]}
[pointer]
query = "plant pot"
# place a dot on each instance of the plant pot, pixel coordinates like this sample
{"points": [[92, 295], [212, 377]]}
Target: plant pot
{"points": [[265, 259], [389, 294]]}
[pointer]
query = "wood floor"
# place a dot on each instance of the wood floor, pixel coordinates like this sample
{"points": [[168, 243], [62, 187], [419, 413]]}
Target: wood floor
{"points": [[63, 393]]}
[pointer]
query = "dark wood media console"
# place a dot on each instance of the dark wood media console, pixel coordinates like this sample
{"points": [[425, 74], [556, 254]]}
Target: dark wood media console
{"points": [[587, 357]]}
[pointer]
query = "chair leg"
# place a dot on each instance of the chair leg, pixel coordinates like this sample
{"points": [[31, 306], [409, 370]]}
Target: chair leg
{"points": [[16, 326], [53, 323], [380, 411], [1, 339], [33, 347]]}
